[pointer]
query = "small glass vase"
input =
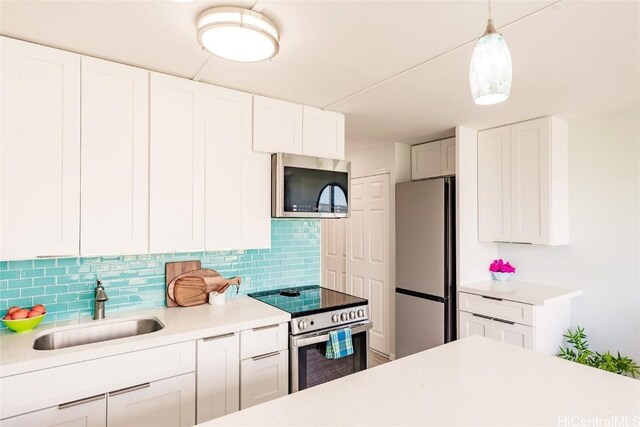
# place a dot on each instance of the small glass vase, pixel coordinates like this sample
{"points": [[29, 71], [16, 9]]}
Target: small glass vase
{"points": [[500, 276]]}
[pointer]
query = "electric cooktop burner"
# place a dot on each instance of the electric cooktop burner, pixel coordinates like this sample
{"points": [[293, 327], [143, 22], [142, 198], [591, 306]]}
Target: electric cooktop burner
{"points": [[307, 300]]}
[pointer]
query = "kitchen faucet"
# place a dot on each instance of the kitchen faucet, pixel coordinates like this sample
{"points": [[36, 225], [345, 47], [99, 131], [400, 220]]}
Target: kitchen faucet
{"points": [[100, 298]]}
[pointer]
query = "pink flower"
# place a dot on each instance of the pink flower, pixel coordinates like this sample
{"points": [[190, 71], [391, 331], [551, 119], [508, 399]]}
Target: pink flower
{"points": [[499, 266]]}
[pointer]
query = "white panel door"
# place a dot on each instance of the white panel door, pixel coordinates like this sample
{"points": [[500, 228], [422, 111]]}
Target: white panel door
{"points": [[218, 376], [322, 133], [277, 126], [334, 249], [39, 151], [513, 333], [90, 412], [177, 170], [166, 403], [238, 180], [448, 156], [368, 254], [494, 185], [425, 160], [115, 158], [264, 378], [474, 325], [530, 182]]}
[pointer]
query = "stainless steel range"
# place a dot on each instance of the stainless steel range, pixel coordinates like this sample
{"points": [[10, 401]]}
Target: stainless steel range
{"points": [[314, 312]]}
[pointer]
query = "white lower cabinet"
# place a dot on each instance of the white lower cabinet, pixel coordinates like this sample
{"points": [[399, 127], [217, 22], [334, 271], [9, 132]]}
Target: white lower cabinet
{"points": [[170, 402], [218, 376], [474, 324], [90, 412], [263, 378], [513, 333]]}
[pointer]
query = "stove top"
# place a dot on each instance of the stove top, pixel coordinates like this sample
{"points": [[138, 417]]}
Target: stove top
{"points": [[308, 300]]}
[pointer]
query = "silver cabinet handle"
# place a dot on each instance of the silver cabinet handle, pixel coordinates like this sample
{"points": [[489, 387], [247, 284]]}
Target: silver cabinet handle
{"points": [[483, 316], [264, 356], [504, 321], [81, 401], [218, 337], [129, 389], [262, 328], [493, 298]]}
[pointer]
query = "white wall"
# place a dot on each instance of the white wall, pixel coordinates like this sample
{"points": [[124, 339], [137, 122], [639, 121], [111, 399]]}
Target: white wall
{"points": [[604, 251]]}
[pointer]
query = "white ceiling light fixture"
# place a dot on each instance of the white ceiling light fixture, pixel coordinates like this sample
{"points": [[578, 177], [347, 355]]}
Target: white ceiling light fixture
{"points": [[238, 34], [490, 73]]}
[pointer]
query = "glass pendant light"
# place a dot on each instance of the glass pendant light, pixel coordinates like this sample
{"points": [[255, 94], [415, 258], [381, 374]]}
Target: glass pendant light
{"points": [[490, 71]]}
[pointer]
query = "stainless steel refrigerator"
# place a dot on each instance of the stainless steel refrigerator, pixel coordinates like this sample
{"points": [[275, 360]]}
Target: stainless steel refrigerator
{"points": [[425, 265]]}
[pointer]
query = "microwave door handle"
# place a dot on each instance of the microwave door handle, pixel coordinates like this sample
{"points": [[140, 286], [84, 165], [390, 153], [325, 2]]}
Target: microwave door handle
{"points": [[302, 342]]}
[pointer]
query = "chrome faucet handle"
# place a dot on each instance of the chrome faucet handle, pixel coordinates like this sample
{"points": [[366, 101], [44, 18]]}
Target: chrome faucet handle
{"points": [[101, 294]]}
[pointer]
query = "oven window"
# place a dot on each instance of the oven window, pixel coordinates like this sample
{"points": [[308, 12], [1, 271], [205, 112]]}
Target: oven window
{"points": [[314, 368], [313, 190]]}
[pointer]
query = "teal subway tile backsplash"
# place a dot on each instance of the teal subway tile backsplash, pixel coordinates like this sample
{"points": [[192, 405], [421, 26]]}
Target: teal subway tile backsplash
{"points": [[66, 285]]}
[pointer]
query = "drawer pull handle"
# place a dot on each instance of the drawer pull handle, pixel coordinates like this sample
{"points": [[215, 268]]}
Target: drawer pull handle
{"points": [[264, 356], [262, 328], [56, 256], [504, 321], [483, 316], [81, 401], [218, 337], [493, 298], [129, 389]]}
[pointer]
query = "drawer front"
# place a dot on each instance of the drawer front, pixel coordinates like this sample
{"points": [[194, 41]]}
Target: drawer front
{"points": [[264, 378], [263, 340], [51, 387], [499, 309]]}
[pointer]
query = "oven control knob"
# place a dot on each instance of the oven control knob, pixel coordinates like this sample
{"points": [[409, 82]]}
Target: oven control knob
{"points": [[361, 313], [352, 315], [344, 316], [335, 318], [302, 324]]}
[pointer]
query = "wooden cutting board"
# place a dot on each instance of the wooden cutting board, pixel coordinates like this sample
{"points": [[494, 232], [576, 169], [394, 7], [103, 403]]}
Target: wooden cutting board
{"points": [[174, 269], [194, 290]]}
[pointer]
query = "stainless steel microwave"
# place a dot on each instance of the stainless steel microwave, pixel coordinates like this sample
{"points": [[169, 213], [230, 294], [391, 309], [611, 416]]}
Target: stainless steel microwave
{"points": [[309, 187]]}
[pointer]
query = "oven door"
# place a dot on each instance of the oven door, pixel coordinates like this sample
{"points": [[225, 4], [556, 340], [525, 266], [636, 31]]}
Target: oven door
{"points": [[309, 366]]}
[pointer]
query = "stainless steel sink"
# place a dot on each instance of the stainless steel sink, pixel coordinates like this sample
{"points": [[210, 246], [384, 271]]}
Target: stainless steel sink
{"points": [[98, 332]]}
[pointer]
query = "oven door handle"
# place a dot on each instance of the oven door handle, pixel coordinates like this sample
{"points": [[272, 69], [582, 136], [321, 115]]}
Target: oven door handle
{"points": [[304, 341]]}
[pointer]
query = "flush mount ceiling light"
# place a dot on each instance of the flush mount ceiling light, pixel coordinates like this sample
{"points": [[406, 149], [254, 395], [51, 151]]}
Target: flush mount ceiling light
{"points": [[238, 34], [490, 72]]}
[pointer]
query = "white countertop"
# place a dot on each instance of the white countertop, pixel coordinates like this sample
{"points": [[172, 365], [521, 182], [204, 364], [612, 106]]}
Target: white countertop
{"points": [[527, 293], [473, 381], [181, 324]]}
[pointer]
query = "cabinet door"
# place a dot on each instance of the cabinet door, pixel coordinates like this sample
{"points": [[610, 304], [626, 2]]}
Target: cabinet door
{"points": [[448, 156], [425, 160], [494, 185], [90, 412], [176, 220], [264, 378], [238, 180], [471, 324], [115, 158], [165, 403], [39, 151], [513, 333], [277, 126], [322, 133], [530, 185], [218, 376]]}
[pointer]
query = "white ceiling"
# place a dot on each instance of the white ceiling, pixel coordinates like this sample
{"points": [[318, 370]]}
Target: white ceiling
{"points": [[572, 59]]}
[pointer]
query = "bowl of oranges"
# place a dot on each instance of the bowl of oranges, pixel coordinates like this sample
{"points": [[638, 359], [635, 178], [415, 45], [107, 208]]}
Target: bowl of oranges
{"points": [[21, 319]]}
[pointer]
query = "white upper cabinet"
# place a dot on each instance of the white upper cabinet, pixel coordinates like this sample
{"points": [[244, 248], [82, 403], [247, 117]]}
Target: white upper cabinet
{"points": [[523, 183], [277, 126], [323, 133], [494, 185], [238, 202], [39, 151], [177, 171], [433, 159], [115, 158]]}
